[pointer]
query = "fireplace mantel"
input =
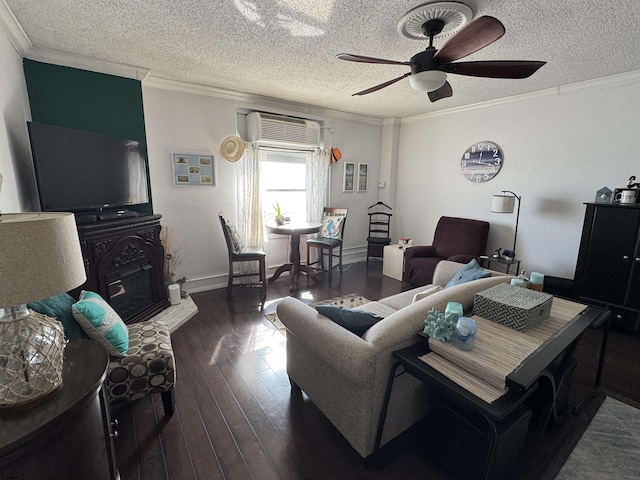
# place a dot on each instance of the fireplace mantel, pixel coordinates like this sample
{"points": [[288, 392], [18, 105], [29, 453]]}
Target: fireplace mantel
{"points": [[124, 260]]}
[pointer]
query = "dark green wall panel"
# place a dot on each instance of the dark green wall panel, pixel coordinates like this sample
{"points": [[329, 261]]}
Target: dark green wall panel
{"points": [[85, 100]]}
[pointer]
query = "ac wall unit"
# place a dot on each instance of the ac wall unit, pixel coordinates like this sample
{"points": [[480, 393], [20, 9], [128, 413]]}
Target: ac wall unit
{"points": [[281, 131]]}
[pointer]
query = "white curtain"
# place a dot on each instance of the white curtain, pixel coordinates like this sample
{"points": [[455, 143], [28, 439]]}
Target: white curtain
{"points": [[318, 163], [250, 223]]}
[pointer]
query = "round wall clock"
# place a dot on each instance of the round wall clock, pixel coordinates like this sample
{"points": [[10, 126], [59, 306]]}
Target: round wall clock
{"points": [[482, 161]]}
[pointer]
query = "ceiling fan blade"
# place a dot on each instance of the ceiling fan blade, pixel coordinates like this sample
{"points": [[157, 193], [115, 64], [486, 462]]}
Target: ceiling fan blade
{"points": [[382, 85], [478, 34], [443, 92], [362, 59], [495, 69]]}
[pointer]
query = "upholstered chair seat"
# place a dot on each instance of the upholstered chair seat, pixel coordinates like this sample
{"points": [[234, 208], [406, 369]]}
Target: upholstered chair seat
{"points": [[148, 368]]}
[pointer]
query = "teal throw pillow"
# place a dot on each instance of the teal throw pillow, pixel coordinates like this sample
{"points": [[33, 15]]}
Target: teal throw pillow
{"points": [[471, 271], [332, 226], [355, 320], [235, 238], [59, 307], [102, 323]]}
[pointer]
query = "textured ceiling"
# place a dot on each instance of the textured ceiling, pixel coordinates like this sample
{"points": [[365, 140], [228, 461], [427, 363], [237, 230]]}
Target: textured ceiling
{"points": [[286, 48]]}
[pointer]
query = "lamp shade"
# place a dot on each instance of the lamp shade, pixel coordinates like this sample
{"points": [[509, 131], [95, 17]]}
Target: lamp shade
{"points": [[39, 256], [427, 81], [503, 204]]}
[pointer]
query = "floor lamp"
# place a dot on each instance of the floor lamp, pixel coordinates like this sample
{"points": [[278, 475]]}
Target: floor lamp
{"points": [[505, 203], [40, 257]]}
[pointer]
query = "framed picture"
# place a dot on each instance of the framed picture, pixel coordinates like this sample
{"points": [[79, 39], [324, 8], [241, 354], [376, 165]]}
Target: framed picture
{"points": [[348, 184], [362, 176], [192, 169]]}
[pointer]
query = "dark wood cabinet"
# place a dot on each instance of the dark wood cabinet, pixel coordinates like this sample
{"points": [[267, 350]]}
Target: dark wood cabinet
{"points": [[608, 267], [124, 262], [70, 435]]}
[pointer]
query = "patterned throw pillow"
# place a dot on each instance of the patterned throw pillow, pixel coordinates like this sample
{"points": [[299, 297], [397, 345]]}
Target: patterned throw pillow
{"points": [[101, 323], [331, 226], [235, 238]]}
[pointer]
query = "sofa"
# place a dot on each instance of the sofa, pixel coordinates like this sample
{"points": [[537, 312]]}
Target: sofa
{"points": [[346, 376], [455, 239]]}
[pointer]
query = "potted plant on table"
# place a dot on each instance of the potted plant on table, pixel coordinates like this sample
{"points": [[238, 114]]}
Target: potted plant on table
{"points": [[279, 216]]}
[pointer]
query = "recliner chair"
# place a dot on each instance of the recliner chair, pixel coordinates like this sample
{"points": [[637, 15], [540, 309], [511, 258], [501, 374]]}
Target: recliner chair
{"points": [[456, 239]]}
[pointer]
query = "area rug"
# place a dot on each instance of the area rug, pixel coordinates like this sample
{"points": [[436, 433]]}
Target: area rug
{"points": [[351, 300], [610, 446]]}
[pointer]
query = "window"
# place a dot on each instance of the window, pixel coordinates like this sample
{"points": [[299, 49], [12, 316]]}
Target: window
{"points": [[284, 180]]}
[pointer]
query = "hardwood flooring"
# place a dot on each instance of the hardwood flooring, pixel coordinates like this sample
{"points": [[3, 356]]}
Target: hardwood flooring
{"points": [[236, 418]]}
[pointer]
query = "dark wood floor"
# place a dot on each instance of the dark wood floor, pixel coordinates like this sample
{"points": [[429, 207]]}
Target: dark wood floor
{"points": [[235, 417]]}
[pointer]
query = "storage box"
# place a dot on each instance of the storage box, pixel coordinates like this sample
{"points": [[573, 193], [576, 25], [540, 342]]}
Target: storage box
{"points": [[515, 307]]}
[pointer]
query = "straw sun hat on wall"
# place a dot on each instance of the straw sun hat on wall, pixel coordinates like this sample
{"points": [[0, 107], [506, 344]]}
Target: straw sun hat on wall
{"points": [[232, 148]]}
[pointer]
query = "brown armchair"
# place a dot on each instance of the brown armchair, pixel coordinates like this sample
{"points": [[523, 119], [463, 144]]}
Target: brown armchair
{"points": [[456, 239]]}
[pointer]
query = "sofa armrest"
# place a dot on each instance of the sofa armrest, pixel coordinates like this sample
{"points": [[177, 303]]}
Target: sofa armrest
{"points": [[420, 251], [445, 271], [342, 350], [462, 258]]}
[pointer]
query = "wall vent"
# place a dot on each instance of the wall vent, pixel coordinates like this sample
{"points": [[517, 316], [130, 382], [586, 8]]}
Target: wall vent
{"points": [[282, 131]]}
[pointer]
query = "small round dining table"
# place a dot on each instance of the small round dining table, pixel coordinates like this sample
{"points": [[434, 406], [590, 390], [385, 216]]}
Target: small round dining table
{"points": [[294, 230]]}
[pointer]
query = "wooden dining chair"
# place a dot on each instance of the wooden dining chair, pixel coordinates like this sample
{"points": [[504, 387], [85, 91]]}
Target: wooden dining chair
{"points": [[240, 253], [331, 233]]}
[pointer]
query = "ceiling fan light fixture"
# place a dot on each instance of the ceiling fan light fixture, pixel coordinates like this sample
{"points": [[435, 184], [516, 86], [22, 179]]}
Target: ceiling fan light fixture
{"points": [[427, 81]]}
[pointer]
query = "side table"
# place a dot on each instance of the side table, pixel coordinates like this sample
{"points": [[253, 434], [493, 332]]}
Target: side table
{"points": [[501, 421], [503, 264], [69, 435], [393, 261]]}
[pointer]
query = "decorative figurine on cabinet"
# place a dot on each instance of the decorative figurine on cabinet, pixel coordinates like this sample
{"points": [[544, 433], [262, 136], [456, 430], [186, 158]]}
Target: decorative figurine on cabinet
{"points": [[603, 195]]}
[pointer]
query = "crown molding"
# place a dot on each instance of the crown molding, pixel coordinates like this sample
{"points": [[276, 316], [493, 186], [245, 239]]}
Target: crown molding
{"points": [[602, 82], [585, 86], [18, 38], [391, 121], [13, 30], [66, 59], [250, 101]]}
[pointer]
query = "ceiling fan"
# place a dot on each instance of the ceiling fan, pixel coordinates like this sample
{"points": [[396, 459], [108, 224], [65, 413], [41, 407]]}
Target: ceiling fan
{"points": [[429, 68]]}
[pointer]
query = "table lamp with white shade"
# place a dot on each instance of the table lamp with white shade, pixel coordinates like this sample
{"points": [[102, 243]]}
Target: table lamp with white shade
{"points": [[39, 257]]}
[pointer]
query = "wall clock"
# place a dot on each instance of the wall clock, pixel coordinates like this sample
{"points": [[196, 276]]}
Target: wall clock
{"points": [[482, 161]]}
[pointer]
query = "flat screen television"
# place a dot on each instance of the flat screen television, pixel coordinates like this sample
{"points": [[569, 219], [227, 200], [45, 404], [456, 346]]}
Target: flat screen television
{"points": [[86, 173]]}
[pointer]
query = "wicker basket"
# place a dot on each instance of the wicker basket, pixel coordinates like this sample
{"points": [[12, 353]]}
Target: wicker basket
{"points": [[515, 307]]}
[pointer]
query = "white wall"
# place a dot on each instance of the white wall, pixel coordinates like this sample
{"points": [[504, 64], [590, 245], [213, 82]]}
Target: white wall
{"points": [[559, 149], [18, 187], [358, 143], [196, 123]]}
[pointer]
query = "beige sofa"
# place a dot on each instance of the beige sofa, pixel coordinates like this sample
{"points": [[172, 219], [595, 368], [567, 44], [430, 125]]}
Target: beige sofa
{"points": [[346, 376]]}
